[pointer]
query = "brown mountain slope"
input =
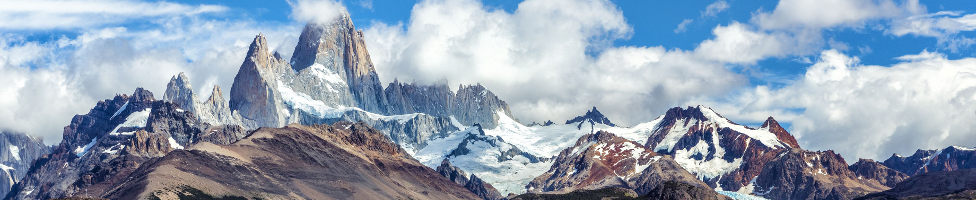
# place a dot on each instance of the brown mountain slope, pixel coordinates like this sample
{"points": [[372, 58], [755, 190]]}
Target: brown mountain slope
{"points": [[342, 161]]}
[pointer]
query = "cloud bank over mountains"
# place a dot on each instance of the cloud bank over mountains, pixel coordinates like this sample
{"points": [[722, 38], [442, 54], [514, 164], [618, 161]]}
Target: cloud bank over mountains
{"points": [[548, 59]]}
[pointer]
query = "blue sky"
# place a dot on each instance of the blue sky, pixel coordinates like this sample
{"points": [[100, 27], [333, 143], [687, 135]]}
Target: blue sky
{"points": [[864, 77]]}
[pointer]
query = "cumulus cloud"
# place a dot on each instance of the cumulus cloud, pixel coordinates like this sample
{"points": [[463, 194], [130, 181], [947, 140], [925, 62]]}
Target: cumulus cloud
{"points": [[549, 60], [867, 111], [944, 26], [61, 14], [54, 80], [742, 44], [319, 10]]}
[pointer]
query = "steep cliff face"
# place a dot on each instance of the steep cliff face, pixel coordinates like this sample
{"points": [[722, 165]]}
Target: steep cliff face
{"points": [[800, 174], [336, 52], [341, 161], [255, 94], [474, 184], [17, 152], [472, 104]]}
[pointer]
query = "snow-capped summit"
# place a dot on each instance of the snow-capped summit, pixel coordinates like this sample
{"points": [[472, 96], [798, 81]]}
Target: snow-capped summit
{"points": [[592, 116], [724, 154], [603, 159]]}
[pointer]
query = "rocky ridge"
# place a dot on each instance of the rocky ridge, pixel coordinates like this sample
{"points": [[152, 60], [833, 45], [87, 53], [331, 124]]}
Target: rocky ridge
{"points": [[924, 161], [603, 160], [473, 184], [342, 161]]}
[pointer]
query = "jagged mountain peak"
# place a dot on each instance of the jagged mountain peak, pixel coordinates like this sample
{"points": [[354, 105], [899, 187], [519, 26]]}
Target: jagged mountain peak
{"points": [[258, 50], [593, 116], [180, 91], [216, 95], [772, 126]]}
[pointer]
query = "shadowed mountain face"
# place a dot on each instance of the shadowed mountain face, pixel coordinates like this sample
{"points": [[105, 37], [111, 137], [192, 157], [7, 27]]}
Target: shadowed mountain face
{"points": [[341, 161], [17, 152], [957, 184], [924, 161]]}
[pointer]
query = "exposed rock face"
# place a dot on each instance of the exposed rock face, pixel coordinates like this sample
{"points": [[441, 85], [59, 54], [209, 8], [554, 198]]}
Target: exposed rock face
{"points": [[870, 169], [800, 174], [223, 134], [339, 50], [591, 117], [17, 152], [780, 132], [472, 104], [102, 147], [342, 161], [474, 184], [958, 184], [603, 160], [924, 161], [255, 94], [180, 92], [717, 151]]}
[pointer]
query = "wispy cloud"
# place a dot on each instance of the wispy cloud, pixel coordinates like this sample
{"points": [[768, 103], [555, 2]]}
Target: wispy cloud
{"points": [[63, 14]]}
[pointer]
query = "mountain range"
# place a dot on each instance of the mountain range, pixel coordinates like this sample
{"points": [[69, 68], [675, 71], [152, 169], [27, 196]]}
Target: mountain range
{"points": [[320, 125]]}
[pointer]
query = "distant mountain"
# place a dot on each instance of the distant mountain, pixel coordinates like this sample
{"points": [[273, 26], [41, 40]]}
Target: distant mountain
{"points": [[17, 152], [924, 161], [801, 174], [957, 184], [591, 117]]}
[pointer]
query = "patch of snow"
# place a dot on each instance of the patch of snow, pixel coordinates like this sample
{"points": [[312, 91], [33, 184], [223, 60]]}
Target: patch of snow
{"points": [[456, 123], [508, 176], [706, 168], [82, 150], [767, 138], [115, 149], [323, 73], [134, 120], [10, 175], [964, 148], [174, 144], [120, 110], [15, 151]]}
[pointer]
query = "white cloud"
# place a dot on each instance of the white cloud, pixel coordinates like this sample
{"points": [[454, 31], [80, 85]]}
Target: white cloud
{"points": [[715, 8], [549, 60], [318, 11], [819, 14], [938, 24], [865, 111], [740, 43], [62, 14], [683, 26]]}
